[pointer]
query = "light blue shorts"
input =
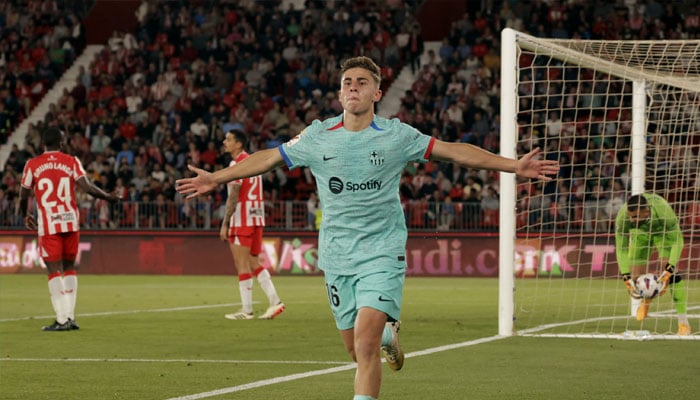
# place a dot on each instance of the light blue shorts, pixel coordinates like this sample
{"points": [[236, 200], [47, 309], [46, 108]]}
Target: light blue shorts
{"points": [[380, 290]]}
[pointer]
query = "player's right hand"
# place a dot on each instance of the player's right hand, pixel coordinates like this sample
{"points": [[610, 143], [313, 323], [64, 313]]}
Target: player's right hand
{"points": [[223, 232], [200, 184], [629, 284], [634, 293]]}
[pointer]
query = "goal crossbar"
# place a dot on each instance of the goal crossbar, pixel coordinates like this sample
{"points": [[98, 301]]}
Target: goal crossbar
{"points": [[613, 57]]}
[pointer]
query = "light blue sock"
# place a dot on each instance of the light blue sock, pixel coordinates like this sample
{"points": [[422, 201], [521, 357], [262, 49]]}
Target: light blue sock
{"points": [[363, 397], [387, 335]]}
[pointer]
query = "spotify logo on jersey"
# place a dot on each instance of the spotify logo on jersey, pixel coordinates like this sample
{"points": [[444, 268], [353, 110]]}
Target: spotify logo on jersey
{"points": [[335, 185]]}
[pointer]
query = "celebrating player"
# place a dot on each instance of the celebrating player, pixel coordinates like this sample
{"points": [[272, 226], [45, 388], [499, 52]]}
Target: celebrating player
{"points": [[646, 222], [52, 176], [357, 159], [243, 227]]}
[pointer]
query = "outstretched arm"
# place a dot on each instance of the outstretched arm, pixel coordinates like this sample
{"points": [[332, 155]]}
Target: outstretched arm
{"points": [[470, 156], [258, 163], [94, 191]]}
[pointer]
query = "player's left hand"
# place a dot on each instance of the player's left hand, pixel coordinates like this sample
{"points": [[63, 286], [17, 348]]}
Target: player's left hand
{"points": [[30, 222], [112, 197], [200, 184], [530, 167], [665, 277]]}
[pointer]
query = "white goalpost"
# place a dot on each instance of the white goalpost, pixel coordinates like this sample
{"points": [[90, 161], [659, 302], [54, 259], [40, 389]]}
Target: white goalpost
{"points": [[622, 118]]}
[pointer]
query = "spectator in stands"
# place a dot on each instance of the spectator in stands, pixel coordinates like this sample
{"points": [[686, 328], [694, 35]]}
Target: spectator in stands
{"points": [[454, 115], [158, 174], [490, 201], [553, 126], [312, 208], [415, 48], [538, 207], [155, 50], [100, 142], [126, 153], [447, 214], [210, 155], [5, 123], [595, 207]]}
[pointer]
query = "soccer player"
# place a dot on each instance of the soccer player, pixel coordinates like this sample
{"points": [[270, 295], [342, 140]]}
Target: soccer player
{"points": [[53, 176], [646, 222], [357, 159], [242, 226]]}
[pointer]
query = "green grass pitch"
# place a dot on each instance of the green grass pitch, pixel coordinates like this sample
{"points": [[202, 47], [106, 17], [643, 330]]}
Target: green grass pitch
{"points": [[164, 337]]}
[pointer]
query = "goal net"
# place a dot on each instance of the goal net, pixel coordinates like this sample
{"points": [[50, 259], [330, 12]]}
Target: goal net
{"points": [[622, 118]]}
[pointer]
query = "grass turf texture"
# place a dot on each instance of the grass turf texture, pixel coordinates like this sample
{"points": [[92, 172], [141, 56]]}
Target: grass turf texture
{"points": [[162, 337]]}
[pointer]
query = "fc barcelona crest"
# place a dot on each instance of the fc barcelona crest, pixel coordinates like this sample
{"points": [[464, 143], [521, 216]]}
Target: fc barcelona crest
{"points": [[376, 158]]}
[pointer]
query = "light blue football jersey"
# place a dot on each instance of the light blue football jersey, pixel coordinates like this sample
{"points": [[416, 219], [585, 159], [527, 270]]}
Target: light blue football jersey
{"points": [[357, 176]]}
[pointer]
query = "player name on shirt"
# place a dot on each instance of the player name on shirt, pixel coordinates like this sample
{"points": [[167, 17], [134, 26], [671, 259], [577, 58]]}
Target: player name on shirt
{"points": [[54, 165]]}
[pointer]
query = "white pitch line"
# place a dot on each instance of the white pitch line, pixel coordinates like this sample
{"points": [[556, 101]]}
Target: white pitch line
{"points": [[265, 382], [155, 360], [98, 314], [302, 375]]}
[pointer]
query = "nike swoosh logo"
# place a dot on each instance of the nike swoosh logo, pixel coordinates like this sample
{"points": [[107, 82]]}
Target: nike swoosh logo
{"points": [[383, 299], [328, 158]]}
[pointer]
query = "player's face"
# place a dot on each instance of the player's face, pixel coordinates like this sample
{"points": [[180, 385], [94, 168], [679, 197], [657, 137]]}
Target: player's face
{"points": [[230, 143], [639, 216], [358, 91]]}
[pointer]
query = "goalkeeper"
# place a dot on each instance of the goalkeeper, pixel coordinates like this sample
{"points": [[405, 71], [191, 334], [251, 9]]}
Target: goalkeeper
{"points": [[646, 222]]}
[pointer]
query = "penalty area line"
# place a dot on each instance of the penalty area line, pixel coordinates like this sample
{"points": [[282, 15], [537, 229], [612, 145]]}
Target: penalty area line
{"points": [[303, 375], [125, 312], [156, 360]]}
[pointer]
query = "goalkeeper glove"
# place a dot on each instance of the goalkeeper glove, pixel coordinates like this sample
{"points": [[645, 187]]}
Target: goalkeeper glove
{"points": [[666, 277], [627, 279], [668, 272]]}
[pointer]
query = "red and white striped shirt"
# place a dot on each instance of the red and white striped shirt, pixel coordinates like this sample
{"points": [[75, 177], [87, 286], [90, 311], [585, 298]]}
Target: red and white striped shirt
{"points": [[52, 177], [250, 210]]}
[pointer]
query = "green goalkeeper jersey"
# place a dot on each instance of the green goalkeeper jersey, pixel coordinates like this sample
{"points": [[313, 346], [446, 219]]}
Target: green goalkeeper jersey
{"points": [[634, 244]]}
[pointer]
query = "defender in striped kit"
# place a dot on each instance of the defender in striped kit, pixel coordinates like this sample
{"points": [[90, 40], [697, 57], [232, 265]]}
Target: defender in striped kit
{"points": [[52, 176], [243, 226]]}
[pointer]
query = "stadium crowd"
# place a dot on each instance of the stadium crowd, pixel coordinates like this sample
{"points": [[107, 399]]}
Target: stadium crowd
{"points": [[162, 97]]}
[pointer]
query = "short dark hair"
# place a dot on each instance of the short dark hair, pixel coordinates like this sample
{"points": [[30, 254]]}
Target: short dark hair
{"points": [[364, 63], [240, 136], [52, 138], [636, 202]]}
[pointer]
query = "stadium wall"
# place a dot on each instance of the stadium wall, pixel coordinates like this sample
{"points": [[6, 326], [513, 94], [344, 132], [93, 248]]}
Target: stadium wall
{"points": [[108, 16], [436, 17], [294, 253]]}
